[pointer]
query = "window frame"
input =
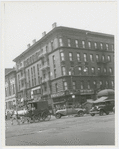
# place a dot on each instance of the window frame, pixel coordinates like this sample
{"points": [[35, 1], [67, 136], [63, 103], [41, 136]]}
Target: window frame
{"points": [[76, 43], [70, 56], [69, 42], [83, 44]]}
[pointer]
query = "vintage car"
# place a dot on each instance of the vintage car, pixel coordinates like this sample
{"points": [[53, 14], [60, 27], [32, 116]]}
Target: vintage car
{"points": [[69, 110], [102, 107]]}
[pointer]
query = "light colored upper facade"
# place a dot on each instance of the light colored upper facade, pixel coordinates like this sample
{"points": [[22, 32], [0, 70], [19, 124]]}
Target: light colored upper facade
{"points": [[10, 88], [44, 69]]}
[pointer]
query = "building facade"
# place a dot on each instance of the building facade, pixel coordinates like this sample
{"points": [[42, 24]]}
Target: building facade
{"points": [[10, 88], [66, 64]]}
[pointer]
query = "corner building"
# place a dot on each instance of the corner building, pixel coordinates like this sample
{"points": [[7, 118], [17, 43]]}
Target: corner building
{"points": [[66, 64]]}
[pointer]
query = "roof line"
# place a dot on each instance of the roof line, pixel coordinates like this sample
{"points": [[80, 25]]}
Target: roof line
{"points": [[57, 28]]}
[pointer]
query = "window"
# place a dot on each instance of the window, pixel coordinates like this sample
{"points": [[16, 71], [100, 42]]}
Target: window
{"points": [[34, 70], [56, 86], [5, 92], [107, 84], [78, 57], [70, 56], [39, 79], [29, 83], [103, 58], [105, 70], [52, 45], [85, 57], [80, 70], [110, 70], [82, 84], [74, 85], [76, 43], [62, 56], [97, 57], [60, 42], [63, 71], [69, 43], [88, 85], [46, 49], [69, 72], [34, 81], [99, 70], [109, 58], [107, 47], [95, 45], [53, 58], [22, 83], [38, 68], [55, 75], [86, 70], [13, 89], [89, 45], [65, 86], [83, 44], [112, 84], [36, 56], [100, 82], [101, 46], [33, 59], [30, 60], [112, 47], [91, 57], [93, 70], [94, 83]]}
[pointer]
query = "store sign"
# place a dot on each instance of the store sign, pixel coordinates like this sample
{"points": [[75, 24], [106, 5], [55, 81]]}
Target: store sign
{"points": [[58, 94], [86, 92]]}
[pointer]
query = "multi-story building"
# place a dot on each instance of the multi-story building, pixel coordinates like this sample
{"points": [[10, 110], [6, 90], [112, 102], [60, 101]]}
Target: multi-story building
{"points": [[66, 61], [10, 88]]}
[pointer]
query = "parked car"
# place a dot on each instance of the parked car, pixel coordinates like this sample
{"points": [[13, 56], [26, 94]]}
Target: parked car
{"points": [[103, 107], [69, 110]]}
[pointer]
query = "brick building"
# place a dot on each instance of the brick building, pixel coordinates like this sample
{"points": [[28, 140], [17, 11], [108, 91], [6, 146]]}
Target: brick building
{"points": [[10, 88], [66, 62]]}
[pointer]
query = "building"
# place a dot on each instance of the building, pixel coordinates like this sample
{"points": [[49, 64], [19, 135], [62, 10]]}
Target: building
{"points": [[10, 88], [66, 64]]}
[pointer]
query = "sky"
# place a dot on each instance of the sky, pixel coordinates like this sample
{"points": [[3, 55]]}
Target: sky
{"points": [[24, 21]]}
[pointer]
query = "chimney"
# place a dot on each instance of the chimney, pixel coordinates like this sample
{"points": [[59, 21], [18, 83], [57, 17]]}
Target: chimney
{"points": [[28, 45], [54, 25], [43, 34], [34, 41]]}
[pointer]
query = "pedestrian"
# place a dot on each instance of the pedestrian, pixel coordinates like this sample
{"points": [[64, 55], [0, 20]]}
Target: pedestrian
{"points": [[15, 117]]}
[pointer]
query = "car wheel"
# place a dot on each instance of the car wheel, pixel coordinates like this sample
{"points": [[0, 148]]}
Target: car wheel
{"points": [[92, 114], [58, 115], [101, 113], [80, 113]]}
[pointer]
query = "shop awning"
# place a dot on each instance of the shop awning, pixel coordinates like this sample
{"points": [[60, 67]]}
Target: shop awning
{"points": [[106, 92], [102, 99], [90, 100], [56, 103]]}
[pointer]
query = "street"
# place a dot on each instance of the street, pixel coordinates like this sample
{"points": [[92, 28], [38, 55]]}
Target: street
{"points": [[87, 130]]}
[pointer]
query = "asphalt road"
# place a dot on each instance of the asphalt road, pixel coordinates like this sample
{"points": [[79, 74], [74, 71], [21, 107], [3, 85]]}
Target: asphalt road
{"points": [[87, 130]]}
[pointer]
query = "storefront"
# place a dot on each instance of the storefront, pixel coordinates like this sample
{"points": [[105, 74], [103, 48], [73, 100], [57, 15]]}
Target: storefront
{"points": [[77, 97]]}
